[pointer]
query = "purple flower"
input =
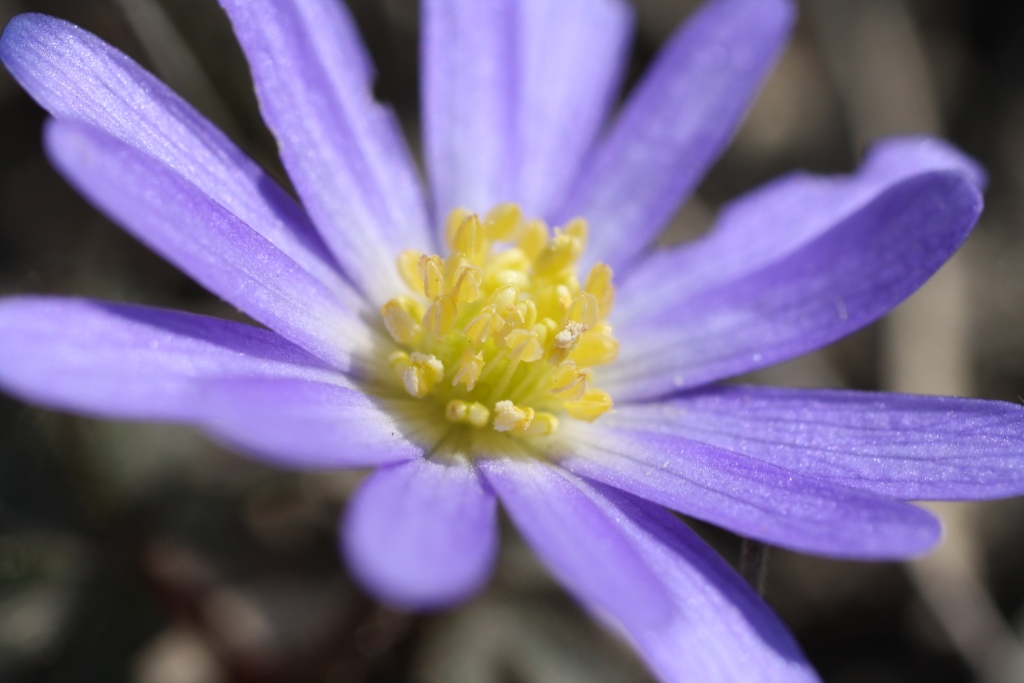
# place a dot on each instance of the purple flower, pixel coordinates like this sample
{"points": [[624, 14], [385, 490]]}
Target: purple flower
{"points": [[471, 374]]}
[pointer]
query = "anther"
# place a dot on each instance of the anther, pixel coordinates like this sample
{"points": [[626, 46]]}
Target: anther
{"points": [[560, 253], [486, 324], [469, 239], [597, 347], [509, 416], [503, 221], [470, 366], [533, 238], [599, 283], [409, 269], [594, 404], [418, 372], [466, 285], [568, 383], [525, 345], [543, 423], [401, 318], [441, 315], [584, 310], [565, 341], [465, 412], [455, 219], [431, 272]]}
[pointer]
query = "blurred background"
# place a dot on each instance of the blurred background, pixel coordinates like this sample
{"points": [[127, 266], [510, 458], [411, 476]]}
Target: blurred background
{"points": [[142, 553]]}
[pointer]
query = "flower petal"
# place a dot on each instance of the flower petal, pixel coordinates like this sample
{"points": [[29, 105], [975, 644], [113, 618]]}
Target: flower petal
{"points": [[468, 86], [422, 534], [302, 423], [750, 497], [343, 150], [571, 58], [830, 287], [906, 447], [179, 221], [675, 124], [582, 546], [775, 220], [720, 630], [75, 75], [132, 362], [513, 94]]}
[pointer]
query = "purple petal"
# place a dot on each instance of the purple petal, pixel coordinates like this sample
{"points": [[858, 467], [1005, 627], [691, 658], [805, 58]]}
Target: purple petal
{"points": [[830, 287], [513, 95], [469, 103], [675, 124], [343, 150], [906, 447], [583, 547], [720, 630], [176, 219], [571, 55], [75, 75], [750, 497], [775, 220], [302, 423], [130, 362], [422, 534]]}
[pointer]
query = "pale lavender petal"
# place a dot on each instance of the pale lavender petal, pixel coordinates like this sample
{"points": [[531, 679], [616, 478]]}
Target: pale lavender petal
{"points": [[906, 447], [131, 362], [571, 56], [469, 102], [582, 546], [422, 534], [343, 150], [720, 631], [302, 423], [775, 220], [675, 124], [830, 287], [75, 75], [179, 221], [750, 497]]}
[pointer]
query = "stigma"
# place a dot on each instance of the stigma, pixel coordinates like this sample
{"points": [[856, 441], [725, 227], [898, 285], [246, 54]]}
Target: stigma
{"points": [[500, 333]]}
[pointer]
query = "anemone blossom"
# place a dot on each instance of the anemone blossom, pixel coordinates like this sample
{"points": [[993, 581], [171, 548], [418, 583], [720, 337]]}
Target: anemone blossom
{"points": [[473, 354]]}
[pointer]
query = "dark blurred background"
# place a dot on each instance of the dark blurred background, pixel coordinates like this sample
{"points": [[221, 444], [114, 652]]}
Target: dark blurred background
{"points": [[143, 553]]}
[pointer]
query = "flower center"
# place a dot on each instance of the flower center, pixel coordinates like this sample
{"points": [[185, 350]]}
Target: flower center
{"points": [[505, 337]]}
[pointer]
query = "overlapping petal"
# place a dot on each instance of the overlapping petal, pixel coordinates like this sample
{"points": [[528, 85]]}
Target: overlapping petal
{"points": [[675, 124], [835, 284], [751, 497], [896, 445], [132, 362], [775, 220], [582, 546], [182, 223], [343, 150], [301, 423], [720, 631], [75, 75], [513, 94], [570, 56], [422, 534]]}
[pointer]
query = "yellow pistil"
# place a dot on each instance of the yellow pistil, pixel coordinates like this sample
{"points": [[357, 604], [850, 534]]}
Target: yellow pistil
{"points": [[500, 333]]}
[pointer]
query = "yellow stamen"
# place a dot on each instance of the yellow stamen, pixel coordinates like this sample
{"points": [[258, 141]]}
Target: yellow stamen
{"points": [[509, 416], [599, 283], [470, 366], [513, 336], [503, 221], [431, 271], [401, 318], [591, 406]]}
